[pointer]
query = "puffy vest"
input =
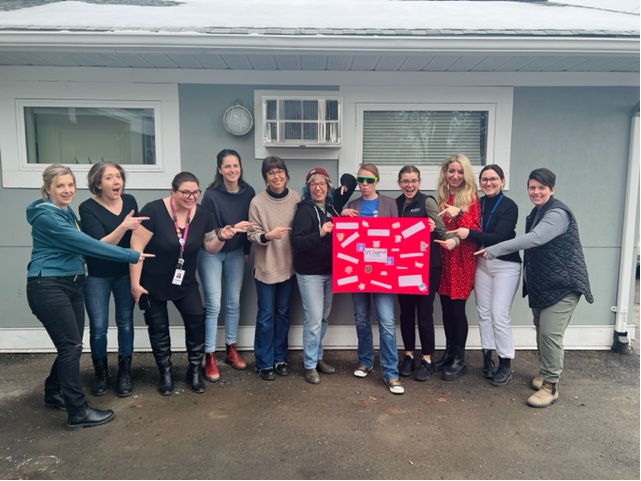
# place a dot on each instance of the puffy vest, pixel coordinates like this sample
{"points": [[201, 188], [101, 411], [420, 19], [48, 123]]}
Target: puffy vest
{"points": [[557, 268], [417, 209]]}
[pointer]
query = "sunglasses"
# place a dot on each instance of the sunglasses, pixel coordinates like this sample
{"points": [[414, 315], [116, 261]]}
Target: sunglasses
{"points": [[366, 180]]}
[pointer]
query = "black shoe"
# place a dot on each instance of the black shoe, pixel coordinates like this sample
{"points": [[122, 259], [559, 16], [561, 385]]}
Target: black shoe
{"points": [[488, 364], [407, 366], [322, 366], [311, 376], [88, 417], [195, 379], [457, 368], [267, 374], [446, 360], [424, 371], [503, 374], [123, 383], [166, 383], [54, 400], [101, 382], [282, 369]]}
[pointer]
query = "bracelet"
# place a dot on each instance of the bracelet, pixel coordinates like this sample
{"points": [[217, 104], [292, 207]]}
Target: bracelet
{"points": [[220, 238]]}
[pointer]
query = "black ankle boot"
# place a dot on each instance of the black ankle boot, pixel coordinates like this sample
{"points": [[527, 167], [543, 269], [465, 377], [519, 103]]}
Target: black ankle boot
{"points": [[503, 373], [124, 387], [88, 417], [101, 383], [488, 364], [447, 359], [55, 400], [166, 382], [195, 379], [457, 368]]}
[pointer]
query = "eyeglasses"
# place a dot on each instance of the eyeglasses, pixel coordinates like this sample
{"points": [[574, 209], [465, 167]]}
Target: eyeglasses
{"points": [[274, 172], [366, 180], [318, 184], [409, 181], [187, 194], [485, 180]]}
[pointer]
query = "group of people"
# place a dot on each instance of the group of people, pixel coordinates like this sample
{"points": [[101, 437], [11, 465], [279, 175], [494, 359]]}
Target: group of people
{"points": [[473, 245]]}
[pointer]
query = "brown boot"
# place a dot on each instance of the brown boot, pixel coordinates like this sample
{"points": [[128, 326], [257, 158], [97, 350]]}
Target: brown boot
{"points": [[234, 358], [537, 382], [545, 396], [211, 368]]}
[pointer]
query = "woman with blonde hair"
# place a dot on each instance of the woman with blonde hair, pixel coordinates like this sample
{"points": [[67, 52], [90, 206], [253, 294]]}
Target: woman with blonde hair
{"points": [[460, 207]]}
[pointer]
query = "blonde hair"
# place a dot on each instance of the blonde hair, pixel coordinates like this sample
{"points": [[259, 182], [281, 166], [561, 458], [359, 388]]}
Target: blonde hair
{"points": [[50, 174], [466, 194]]}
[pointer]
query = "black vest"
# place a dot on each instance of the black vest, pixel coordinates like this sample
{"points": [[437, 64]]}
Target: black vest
{"points": [[557, 268], [417, 209]]}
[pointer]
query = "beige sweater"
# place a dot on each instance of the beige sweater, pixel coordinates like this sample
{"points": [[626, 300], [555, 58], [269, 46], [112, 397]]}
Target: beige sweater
{"points": [[274, 260]]}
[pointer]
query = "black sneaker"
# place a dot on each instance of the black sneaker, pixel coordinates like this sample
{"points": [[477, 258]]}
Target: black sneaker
{"points": [[424, 371], [282, 369], [267, 374], [407, 366]]}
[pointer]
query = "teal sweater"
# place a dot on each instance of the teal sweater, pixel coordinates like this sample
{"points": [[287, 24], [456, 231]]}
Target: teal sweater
{"points": [[58, 245]]}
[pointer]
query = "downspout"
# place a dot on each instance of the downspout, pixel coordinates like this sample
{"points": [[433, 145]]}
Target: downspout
{"points": [[627, 264]]}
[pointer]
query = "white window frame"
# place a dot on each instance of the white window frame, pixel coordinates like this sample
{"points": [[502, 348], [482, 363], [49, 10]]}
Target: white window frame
{"points": [[313, 151], [497, 101], [163, 99]]}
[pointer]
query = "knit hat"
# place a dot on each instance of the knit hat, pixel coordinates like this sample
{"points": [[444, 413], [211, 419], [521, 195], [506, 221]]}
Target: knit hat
{"points": [[317, 171]]}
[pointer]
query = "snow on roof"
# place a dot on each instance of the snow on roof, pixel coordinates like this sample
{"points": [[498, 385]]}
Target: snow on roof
{"points": [[376, 17]]}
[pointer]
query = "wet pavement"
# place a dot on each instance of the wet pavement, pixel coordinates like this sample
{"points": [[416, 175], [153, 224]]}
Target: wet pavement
{"points": [[344, 428]]}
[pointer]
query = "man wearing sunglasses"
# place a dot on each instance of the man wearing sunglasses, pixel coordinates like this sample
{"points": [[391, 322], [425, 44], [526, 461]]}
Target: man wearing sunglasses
{"points": [[372, 204]]}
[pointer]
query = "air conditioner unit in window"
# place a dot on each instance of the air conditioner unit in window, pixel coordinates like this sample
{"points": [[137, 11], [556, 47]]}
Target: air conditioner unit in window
{"points": [[301, 122]]}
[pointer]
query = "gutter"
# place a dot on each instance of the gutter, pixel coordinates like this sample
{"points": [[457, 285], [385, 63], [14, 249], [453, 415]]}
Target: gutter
{"points": [[627, 264], [300, 44]]}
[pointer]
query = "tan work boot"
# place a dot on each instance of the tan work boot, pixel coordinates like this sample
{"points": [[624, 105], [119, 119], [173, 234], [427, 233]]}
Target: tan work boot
{"points": [[545, 396], [537, 382]]}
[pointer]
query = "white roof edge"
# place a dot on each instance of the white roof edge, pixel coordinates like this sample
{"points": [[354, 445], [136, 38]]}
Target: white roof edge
{"points": [[299, 44]]}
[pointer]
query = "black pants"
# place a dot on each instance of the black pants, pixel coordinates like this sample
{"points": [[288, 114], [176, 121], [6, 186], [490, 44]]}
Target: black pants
{"points": [[192, 312], [421, 308], [454, 321], [58, 303]]}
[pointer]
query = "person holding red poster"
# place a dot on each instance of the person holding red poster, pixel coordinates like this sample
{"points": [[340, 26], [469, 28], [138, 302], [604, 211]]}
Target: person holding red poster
{"points": [[312, 243], [460, 207], [372, 204], [413, 203]]}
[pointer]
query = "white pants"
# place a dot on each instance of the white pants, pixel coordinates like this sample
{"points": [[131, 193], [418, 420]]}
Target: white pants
{"points": [[495, 286]]}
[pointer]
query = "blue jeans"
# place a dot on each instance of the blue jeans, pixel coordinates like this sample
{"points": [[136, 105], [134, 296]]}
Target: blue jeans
{"points": [[58, 303], [316, 294], [272, 322], [384, 304], [214, 269], [97, 292]]}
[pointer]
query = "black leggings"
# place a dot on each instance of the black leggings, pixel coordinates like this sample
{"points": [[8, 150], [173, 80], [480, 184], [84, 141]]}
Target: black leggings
{"points": [[454, 321], [421, 308]]}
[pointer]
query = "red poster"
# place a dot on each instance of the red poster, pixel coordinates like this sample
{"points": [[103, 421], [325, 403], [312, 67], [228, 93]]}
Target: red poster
{"points": [[381, 254]]}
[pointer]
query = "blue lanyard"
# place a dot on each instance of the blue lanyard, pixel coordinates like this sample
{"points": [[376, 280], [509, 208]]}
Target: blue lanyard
{"points": [[490, 216]]}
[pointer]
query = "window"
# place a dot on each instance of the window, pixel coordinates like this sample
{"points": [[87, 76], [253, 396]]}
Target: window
{"points": [[424, 137], [79, 124], [422, 125], [301, 121], [86, 135]]}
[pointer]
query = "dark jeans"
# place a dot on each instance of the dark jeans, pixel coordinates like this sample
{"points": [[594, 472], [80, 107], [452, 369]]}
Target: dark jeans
{"points": [[421, 308], [272, 322], [58, 302], [454, 321]]}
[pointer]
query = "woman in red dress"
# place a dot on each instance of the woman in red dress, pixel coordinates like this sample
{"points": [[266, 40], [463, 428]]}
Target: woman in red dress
{"points": [[459, 204]]}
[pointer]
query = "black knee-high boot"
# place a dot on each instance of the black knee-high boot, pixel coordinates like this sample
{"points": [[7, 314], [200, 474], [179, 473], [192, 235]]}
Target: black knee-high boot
{"points": [[158, 327], [195, 342]]}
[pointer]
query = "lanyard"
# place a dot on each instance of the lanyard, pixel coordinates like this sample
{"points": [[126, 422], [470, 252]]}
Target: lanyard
{"points": [[490, 216], [182, 239]]}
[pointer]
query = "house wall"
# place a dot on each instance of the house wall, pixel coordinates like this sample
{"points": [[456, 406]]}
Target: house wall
{"points": [[580, 133]]}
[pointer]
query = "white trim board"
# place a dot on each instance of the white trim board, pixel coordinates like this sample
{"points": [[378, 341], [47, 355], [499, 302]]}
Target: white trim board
{"points": [[577, 337]]}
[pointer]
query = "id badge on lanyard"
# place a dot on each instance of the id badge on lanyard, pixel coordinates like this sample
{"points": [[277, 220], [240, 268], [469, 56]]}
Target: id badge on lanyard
{"points": [[179, 273]]}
